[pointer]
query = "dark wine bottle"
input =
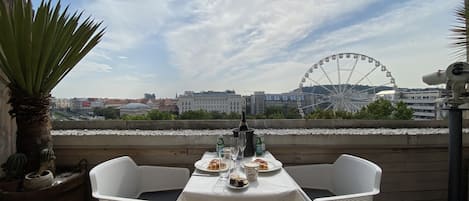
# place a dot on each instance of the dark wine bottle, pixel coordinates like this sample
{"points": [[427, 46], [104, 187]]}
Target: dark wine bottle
{"points": [[249, 133], [243, 125]]}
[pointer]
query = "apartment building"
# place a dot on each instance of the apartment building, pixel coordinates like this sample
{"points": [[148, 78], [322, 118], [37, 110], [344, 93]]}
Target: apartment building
{"points": [[225, 102], [260, 100], [425, 103]]}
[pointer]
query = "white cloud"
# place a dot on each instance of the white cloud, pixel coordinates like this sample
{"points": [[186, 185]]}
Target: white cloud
{"points": [[129, 23], [91, 67], [248, 45], [132, 85], [395, 25], [230, 35]]}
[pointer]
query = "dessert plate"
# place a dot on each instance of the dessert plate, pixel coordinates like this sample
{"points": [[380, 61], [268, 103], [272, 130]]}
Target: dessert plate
{"points": [[203, 165], [272, 164], [235, 187]]}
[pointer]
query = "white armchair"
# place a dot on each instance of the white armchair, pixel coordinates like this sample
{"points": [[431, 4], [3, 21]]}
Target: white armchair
{"points": [[349, 178], [120, 179]]}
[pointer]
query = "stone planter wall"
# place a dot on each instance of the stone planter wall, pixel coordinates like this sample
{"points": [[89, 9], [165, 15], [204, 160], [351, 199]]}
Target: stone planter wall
{"points": [[414, 161]]}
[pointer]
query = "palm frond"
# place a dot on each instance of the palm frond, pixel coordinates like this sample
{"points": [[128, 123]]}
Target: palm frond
{"points": [[38, 49], [461, 32]]}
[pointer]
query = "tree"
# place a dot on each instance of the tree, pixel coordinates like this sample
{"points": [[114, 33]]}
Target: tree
{"points": [[199, 114], [281, 112], [217, 115], [37, 50], [134, 117], [292, 113], [108, 113], [233, 115], [158, 115], [330, 114], [274, 111], [379, 109], [402, 112], [276, 116]]}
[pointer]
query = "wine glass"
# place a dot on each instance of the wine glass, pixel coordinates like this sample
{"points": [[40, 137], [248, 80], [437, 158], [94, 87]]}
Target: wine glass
{"points": [[242, 143], [234, 150]]}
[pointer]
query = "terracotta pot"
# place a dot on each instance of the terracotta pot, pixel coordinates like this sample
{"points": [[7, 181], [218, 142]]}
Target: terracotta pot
{"points": [[35, 182]]}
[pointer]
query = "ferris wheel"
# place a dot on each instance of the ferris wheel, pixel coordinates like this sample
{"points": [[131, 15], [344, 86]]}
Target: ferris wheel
{"points": [[343, 82]]}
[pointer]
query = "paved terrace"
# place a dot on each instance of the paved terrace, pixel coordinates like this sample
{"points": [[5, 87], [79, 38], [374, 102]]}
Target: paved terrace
{"points": [[412, 154]]}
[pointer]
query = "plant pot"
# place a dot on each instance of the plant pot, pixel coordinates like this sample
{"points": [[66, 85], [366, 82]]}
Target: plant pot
{"points": [[73, 187], [36, 182]]}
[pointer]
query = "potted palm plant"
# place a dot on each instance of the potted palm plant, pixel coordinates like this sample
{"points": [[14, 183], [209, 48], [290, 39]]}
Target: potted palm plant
{"points": [[38, 48]]}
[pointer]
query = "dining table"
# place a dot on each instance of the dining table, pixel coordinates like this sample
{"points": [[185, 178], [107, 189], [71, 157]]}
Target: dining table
{"points": [[275, 185]]}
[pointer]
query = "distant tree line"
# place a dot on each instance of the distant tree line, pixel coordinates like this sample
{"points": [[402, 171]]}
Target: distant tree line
{"points": [[379, 109]]}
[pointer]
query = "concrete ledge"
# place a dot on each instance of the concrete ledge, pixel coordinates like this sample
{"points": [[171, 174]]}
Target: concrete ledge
{"points": [[311, 137], [256, 123]]}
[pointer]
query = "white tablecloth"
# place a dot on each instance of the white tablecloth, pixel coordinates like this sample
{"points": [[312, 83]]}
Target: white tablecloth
{"points": [[270, 186]]}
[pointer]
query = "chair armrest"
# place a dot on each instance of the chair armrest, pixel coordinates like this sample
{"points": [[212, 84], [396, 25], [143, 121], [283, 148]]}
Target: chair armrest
{"points": [[351, 197], [312, 176], [157, 178], [112, 198]]}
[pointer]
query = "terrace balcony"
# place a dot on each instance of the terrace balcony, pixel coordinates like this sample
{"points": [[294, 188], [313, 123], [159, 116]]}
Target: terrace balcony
{"points": [[412, 154]]}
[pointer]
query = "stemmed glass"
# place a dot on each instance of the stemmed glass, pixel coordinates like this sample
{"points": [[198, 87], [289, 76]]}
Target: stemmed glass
{"points": [[234, 151], [242, 143]]}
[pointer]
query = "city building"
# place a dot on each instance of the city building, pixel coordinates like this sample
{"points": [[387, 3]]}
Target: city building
{"points": [[225, 102], [134, 109], [96, 103], [260, 101], [389, 95], [426, 103], [60, 103], [80, 105], [166, 105], [115, 103], [257, 103]]}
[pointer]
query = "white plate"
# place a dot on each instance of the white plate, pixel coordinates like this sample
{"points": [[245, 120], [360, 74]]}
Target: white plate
{"points": [[271, 163], [203, 164], [235, 187]]}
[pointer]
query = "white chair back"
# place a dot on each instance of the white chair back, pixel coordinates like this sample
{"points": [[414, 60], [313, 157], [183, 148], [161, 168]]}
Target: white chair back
{"points": [[117, 177], [349, 178], [352, 175]]}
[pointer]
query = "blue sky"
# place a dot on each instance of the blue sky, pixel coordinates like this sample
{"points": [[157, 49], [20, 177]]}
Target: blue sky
{"points": [[168, 47]]}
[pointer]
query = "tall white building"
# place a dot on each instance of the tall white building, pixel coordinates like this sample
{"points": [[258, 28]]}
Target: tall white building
{"points": [[227, 102], [424, 103]]}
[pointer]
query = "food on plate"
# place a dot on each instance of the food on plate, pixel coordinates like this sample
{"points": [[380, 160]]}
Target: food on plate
{"points": [[262, 164], [238, 181], [215, 164]]}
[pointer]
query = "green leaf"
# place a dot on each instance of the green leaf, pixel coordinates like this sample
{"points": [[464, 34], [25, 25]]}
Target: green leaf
{"points": [[39, 48]]}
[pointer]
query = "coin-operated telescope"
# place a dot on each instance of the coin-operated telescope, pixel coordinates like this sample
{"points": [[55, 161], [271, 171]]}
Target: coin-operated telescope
{"points": [[456, 78]]}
